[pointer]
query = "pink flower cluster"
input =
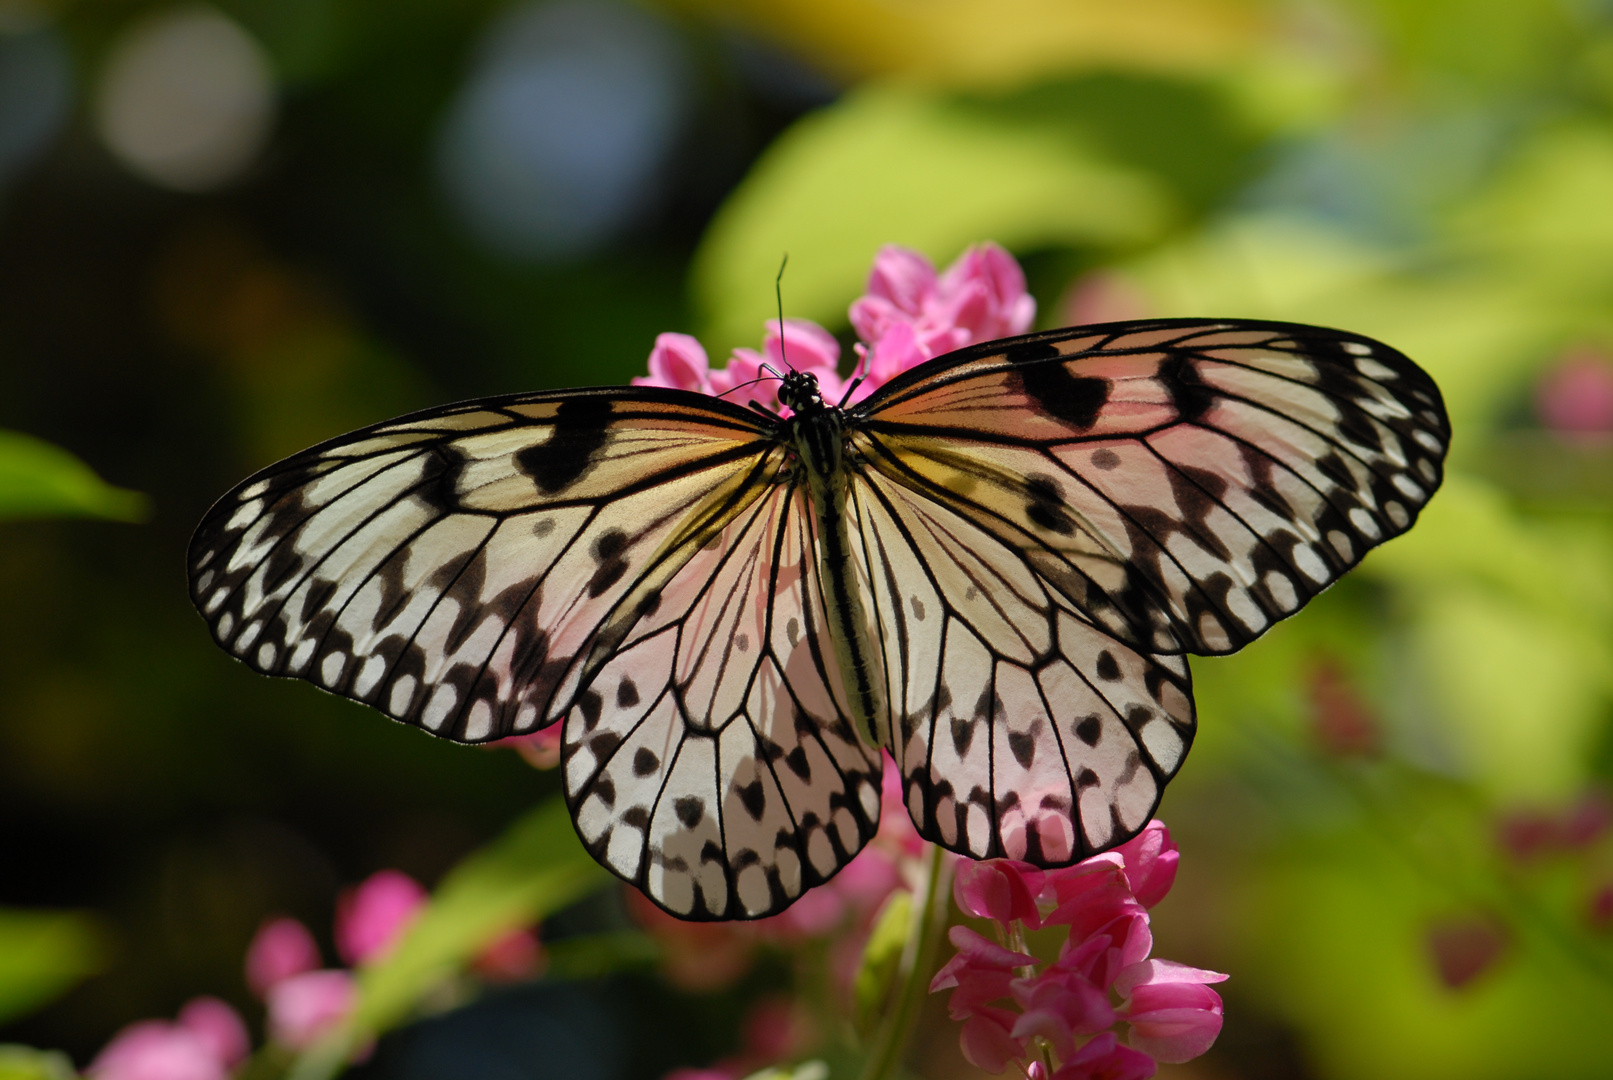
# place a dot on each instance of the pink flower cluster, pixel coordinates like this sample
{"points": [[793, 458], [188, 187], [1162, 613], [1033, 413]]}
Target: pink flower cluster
{"points": [[1574, 399], [1061, 1015], [302, 1001], [909, 314], [207, 1041]]}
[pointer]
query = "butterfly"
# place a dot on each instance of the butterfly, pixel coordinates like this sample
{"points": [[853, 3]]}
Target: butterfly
{"points": [[993, 568]]}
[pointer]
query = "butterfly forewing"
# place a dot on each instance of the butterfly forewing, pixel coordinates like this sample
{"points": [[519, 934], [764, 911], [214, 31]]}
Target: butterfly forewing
{"points": [[451, 568], [1231, 470]]}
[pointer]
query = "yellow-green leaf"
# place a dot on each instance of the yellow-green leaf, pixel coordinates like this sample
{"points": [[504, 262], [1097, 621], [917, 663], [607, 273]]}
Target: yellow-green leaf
{"points": [[896, 165], [43, 954], [882, 956], [40, 480], [26, 1063]]}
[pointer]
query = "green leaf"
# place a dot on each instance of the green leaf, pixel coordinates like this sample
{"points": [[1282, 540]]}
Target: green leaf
{"points": [[897, 165], [881, 957], [537, 867], [26, 1063], [40, 480], [43, 954]]}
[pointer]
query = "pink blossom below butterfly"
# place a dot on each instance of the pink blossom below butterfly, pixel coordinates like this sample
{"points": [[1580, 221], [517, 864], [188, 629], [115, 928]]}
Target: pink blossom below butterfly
{"points": [[993, 567]]}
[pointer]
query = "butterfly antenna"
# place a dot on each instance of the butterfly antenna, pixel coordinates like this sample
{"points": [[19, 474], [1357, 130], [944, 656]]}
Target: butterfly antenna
{"points": [[859, 373], [771, 374], [778, 295]]}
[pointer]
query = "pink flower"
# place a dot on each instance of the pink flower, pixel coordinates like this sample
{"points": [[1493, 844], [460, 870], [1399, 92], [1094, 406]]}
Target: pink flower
{"points": [[987, 1039], [1600, 908], [678, 362], [1342, 721], [205, 1043], [1174, 1016], [896, 829], [1090, 895], [776, 1029], [1105, 1059], [1575, 399], [281, 948], [1150, 860], [1066, 1006], [219, 1027], [1000, 889], [305, 1007], [910, 314], [1060, 1005], [372, 917], [982, 971], [510, 957], [1102, 956], [157, 1050], [1465, 947], [541, 749]]}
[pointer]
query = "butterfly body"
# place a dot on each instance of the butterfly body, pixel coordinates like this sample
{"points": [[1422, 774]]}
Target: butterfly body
{"points": [[817, 432], [992, 568]]}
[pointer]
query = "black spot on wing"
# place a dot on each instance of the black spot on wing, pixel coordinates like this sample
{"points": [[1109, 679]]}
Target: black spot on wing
{"points": [[1046, 509], [608, 553], [581, 428], [1074, 399], [1189, 394], [439, 486], [690, 810]]}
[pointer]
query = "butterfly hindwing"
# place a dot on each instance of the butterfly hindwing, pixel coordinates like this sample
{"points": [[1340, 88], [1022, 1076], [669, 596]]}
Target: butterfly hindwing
{"points": [[711, 761], [1021, 730]]}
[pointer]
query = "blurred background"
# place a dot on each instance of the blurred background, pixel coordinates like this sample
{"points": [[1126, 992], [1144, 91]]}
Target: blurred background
{"points": [[229, 231]]}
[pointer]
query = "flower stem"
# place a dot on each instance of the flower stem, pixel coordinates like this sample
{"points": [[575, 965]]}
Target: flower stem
{"points": [[918, 961]]}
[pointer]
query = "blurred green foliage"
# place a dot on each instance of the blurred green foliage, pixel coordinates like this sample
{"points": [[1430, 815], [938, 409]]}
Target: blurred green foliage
{"points": [[41, 480], [42, 954], [1430, 173]]}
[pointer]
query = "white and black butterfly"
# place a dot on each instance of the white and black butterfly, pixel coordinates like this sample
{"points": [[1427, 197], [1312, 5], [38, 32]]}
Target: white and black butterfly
{"points": [[993, 568]]}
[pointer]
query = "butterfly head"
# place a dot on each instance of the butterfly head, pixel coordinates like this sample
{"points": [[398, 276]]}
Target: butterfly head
{"points": [[800, 393]]}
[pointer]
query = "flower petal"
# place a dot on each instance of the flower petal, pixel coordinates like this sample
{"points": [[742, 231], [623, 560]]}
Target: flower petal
{"points": [[678, 362], [372, 917]]}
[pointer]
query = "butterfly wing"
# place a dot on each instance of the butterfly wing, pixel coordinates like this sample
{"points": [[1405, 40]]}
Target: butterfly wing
{"points": [[1048, 522], [1186, 483], [457, 568], [712, 761], [1020, 728]]}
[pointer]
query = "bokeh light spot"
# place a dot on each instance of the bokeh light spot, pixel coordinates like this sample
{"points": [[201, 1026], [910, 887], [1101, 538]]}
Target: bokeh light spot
{"points": [[186, 100], [558, 140], [36, 87]]}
